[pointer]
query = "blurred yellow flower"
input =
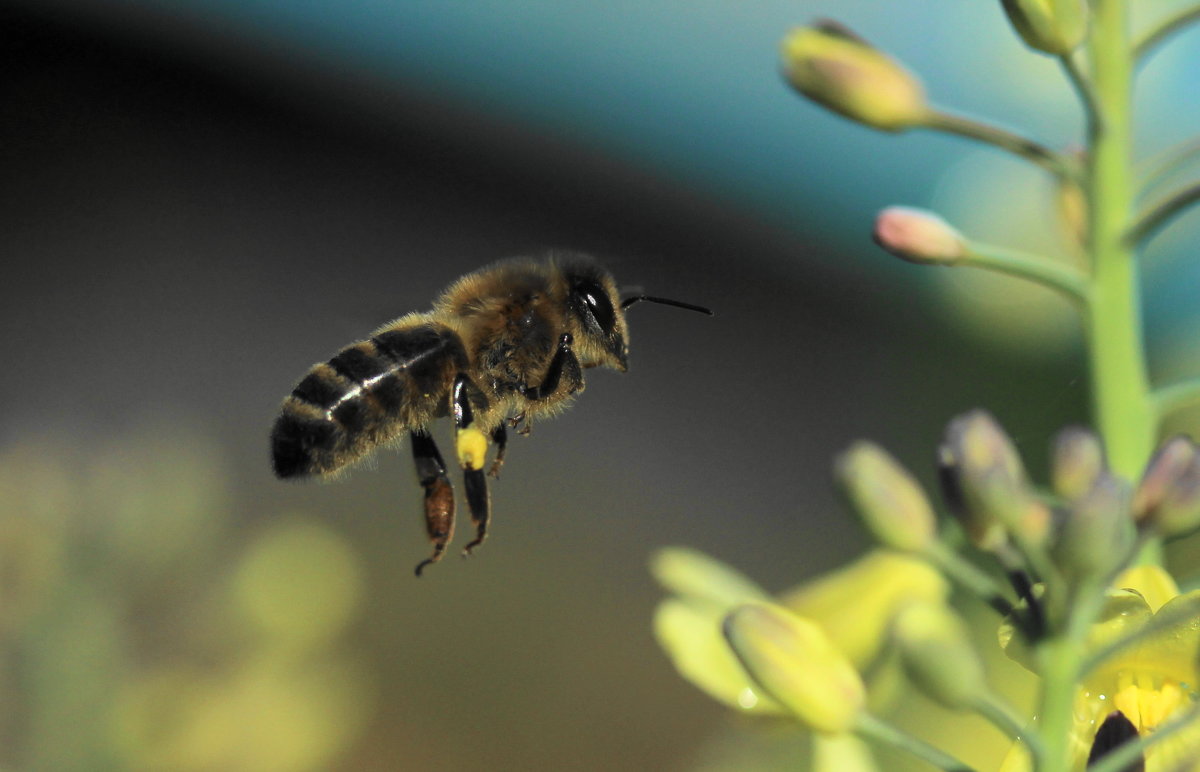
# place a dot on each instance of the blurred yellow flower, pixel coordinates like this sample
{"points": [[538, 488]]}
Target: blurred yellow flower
{"points": [[1149, 680], [688, 625]]}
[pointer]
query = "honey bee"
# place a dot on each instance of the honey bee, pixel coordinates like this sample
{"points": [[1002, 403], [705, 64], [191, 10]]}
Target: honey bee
{"points": [[502, 346]]}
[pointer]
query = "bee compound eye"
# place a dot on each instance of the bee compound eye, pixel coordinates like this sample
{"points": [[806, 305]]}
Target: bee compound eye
{"points": [[597, 305]]}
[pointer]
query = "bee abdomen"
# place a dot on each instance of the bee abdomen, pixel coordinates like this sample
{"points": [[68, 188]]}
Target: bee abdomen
{"points": [[369, 393]]}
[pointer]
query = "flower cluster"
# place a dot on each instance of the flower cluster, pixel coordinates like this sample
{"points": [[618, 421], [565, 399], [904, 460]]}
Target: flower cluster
{"points": [[1072, 570], [1059, 566]]}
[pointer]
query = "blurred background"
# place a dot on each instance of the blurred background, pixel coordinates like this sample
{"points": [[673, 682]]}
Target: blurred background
{"points": [[201, 199]]}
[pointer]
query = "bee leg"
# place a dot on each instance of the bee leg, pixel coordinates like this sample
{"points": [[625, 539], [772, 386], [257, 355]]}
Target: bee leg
{"points": [[564, 359], [522, 423], [500, 437], [439, 496], [471, 445]]}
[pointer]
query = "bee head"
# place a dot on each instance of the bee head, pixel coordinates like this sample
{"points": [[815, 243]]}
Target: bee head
{"points": [[594, 311]]}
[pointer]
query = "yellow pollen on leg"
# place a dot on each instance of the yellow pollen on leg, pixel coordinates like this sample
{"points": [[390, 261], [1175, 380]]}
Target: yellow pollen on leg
{"points": [[471, 445]]}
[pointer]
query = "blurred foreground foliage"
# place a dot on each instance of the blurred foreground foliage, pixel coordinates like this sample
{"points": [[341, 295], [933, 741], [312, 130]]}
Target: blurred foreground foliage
{"points": [[147, 625]]}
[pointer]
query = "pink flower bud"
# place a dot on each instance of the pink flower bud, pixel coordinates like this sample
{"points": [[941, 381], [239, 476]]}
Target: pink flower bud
{"points": [[919, 236]]}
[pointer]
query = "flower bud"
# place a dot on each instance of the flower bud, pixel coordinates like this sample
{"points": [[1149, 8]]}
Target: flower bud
{"points": [[1072, 210], [1098, 532], [835, 68], [1078, 461], [938, 655], [979, 470], [1016, 507], [1054, 26], [887, 499], [1179, 512], [919, 236], [1168, 465], [795, 662]]}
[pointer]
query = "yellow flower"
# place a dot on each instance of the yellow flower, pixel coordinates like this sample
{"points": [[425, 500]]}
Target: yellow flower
{"points": [[1149, 681], [688, 625]]}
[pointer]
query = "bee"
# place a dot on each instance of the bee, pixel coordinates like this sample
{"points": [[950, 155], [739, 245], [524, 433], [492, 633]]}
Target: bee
{"points": [[502, 346]]}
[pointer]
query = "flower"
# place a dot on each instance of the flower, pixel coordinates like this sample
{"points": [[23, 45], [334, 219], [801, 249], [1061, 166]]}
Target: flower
{"points": [[1150, 680], [688, 624]]}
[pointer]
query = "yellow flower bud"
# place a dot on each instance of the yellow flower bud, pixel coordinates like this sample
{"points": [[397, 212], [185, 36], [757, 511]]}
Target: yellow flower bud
{"points": [[886, 498], [1054, 26], [833, 67], [919, 236], [938, 654], [794, 661]]}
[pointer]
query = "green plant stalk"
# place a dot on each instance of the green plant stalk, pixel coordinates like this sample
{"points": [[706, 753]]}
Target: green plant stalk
{"points": [[1121, 399], [871, 727], [1122, 404], [1050, 273], [1060, 663]]}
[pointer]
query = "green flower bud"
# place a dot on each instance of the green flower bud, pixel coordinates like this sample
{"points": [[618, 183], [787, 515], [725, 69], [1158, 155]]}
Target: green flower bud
{"points": [[938, 655], [886, 498], [835, 68], [1054, 26], [1168, 465], [794, 661], [919, 236], [980, 470], [1098, 533], [1078, 462], [1016, 507]]}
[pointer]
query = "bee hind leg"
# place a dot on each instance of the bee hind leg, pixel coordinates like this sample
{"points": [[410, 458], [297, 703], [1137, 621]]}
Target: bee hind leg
{"points": [[439, 495], [471, 445]]}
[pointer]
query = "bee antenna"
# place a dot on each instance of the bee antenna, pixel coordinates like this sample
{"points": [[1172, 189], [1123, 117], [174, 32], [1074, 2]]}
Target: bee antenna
{"points": [[629, 301]]}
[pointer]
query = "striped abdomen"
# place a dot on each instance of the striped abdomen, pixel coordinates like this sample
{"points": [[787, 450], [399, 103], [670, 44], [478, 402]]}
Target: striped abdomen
{"points": [[369, 393]]}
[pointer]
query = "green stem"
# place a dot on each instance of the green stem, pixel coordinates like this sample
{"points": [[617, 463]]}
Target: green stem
{"points": [[1060, 663], [969, 577], [1161, 213], [1003, 717], [1121, 391], [1004, 139], [1050, 273], [1177, 396], [1167, 27], [1082, 86], [875, 729]]}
